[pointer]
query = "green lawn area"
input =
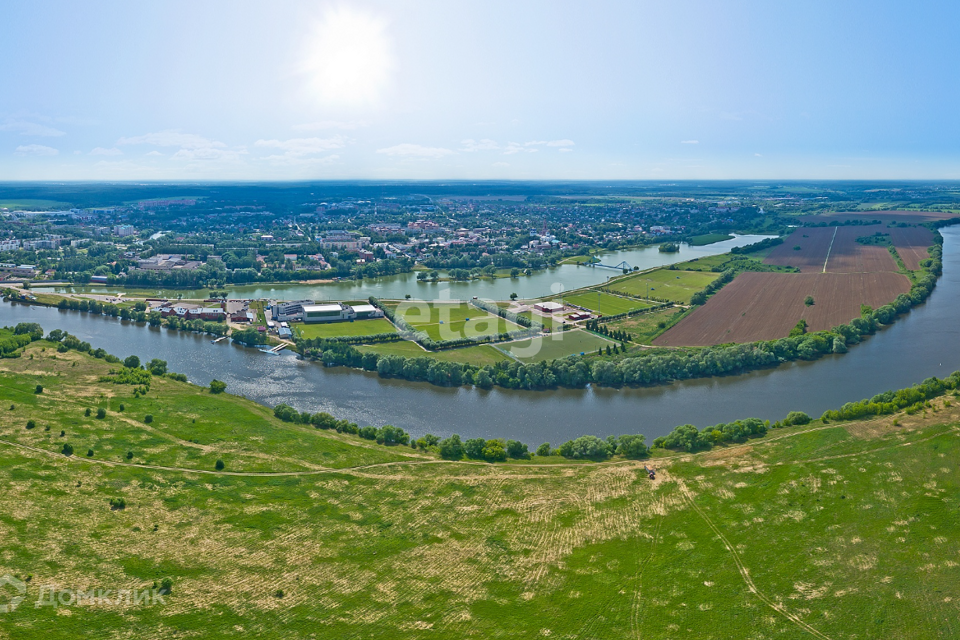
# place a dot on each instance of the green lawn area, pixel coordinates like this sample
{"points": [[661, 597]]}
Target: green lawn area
{"points": [[644, 327], [335, 329], [666, 284], [709, 238], [604, 303], [705, 263], [579, 259], [450, 321], [481, 354], [557, 345]]}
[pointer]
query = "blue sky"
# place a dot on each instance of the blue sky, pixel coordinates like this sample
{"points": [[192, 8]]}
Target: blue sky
{"points": [[479, 90]]}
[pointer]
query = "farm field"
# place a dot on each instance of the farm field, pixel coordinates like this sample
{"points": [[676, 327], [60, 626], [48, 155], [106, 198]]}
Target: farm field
{"points": [[557, 345], [450, 321], [766, 306], [481, 354], [333, 329], [666, 284], [838, 531], [604, 303], [847, 255], [884, 217]]}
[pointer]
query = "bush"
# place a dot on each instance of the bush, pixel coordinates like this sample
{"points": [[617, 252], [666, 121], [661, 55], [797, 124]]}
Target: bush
{"points": [[166, 586], [67, 449], [129, 455], [216, 386], [31, 424], [451, 448], [87, 412], [585, 447], [122, 407], [219, 465], [39, 389], [89, 453], [117, 504], [101, 413], [517, 450], [148, 418], [796, 418], [544, 449], [131, 362]]}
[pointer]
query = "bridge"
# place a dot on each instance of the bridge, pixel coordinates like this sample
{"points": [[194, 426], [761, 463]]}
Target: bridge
{"points": [[619, 267]]}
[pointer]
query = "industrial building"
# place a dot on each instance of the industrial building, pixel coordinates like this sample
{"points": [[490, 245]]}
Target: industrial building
{"points": [[309, 312]]}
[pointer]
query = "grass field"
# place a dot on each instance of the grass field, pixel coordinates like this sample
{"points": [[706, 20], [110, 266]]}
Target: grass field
{"points": [[481, 354], [666, 284], [706, 263], [450, 321], [547, 321], [645, 327], [836, 531], [333, 329], [604, 303], [709, 238], [557, 345]]}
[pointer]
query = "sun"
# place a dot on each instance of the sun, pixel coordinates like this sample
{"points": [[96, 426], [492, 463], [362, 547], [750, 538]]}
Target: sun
{"points": [[349, 59]]}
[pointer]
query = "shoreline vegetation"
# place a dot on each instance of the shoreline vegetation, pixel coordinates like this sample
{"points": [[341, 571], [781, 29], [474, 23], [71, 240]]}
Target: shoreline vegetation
{"points": [[15, 341], [642, 366]]}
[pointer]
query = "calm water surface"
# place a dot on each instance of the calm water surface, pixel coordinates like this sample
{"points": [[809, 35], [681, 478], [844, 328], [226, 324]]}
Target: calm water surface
{"points": [[921, 344]]}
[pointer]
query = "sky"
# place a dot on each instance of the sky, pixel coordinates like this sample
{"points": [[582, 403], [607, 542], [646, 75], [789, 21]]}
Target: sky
{"points": [[636, 90]]}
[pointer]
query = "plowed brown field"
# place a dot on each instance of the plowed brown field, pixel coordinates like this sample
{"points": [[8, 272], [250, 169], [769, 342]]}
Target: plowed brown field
{"points": [[886, 217], [911, 244], [847, 255], [765, 306]]}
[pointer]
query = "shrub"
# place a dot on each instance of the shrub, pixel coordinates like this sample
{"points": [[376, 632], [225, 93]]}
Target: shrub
{"points": [[31, 424], [39, 389], [166, 586], [217, 386], [89, 453], [67, 449], [122, 407], [517, 449], [129, 455], [148, 418], [219, 465], [544, 449], [451, 448], [796, 418], [62, 433], [101, 413], [87, 412], [117, 504], [131, 362], [12, 407]]}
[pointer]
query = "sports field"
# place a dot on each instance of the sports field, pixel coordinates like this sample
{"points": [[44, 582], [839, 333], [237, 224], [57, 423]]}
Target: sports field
{"points": [[481, 354], [556, 345], [666, 284], [335, 329], [604, 303], [452, 320]]}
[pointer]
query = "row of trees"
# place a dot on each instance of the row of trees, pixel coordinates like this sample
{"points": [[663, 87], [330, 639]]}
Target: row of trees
{"points": [[138, 313]]}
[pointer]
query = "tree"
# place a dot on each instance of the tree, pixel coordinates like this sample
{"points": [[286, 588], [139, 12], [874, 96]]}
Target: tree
{"points": [[217, 386], [494, 451], [67, 449], [513, 296], [101, 413], [31, 424], [148, 418], [157, 367], [474, 448], [544, 449], [451, 448], [631, 446], [131, 362], [808, 301], [796, 418], [219, 465], [517, 450], [584, 447], [39, 389], [129, 455], [117, 504]]}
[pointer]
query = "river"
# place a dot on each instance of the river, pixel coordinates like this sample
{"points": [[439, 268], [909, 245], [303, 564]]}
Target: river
{"points": [[923, 343], [565, 277]]}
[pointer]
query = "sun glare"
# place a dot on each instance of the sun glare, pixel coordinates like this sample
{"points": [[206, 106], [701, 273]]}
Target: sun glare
{"points": [[349, 59]]}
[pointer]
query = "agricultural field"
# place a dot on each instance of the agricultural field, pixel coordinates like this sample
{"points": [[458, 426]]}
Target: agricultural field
{"points": [[481, 354], [885, 217], [335, 329], [839, 531], [766, 306], [604, 303], [645, 327], [665, 284], [557, 345], [836, 250], [451, 321]]}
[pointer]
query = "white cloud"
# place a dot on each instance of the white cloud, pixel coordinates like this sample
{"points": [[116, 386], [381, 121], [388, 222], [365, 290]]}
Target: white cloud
{"points": [[100, 151], [516, 147], [172, 138], [209, 153], [27, 128], [153, 153], [299, 147], [35, 150], [565, 150], [416, 151], [550, 143], [689, 142], [326, 125], [758, 155], [501, 164], [470, 145], [287, 160]]}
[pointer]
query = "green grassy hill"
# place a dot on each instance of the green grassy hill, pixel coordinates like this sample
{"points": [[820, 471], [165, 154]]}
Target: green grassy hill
{"points": [[836, 531]]}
